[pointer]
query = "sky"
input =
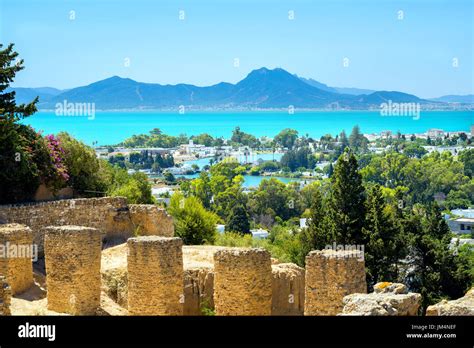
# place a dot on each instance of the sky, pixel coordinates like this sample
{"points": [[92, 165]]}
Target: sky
{"points": [[423, 47]]}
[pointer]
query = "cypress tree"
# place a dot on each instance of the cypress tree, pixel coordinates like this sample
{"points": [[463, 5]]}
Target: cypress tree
{"points": [[346, 206], [238, 220], [381, 235]]}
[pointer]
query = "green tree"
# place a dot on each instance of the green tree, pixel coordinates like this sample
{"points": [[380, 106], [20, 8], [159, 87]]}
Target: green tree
{"points": [[286, 138], [346, 206], [315, 236], [382, 239], [193, 223], [86, 172], [238, 220], [467, 158], [357, 141], [24, 157], [435, 270], [135, 187]]}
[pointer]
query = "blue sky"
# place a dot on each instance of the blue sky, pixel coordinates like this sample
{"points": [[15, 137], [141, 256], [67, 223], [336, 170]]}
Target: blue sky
{"points": [[414, 54]]}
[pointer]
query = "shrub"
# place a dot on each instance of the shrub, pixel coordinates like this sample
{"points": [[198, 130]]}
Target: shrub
{"points": [[193, 223]]}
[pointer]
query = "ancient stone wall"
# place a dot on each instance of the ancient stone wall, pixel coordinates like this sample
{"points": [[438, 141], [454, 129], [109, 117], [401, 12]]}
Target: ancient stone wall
{"points": [[16, 252], [110, 215], [150, 220], [73, 255], [242, 282], [198, 291], [287, 289], [331, 275], [5, 296], [155, 276]]}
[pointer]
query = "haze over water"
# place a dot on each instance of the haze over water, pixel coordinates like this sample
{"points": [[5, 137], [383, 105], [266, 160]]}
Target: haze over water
{"points": [[109, 128]]}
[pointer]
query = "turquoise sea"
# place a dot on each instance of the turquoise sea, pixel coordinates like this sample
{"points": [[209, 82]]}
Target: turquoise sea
{"points": [[109, 128], [254, 181]]}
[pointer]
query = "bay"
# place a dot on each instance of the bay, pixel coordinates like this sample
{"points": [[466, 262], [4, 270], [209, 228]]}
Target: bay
{"points": [[112, 127]]}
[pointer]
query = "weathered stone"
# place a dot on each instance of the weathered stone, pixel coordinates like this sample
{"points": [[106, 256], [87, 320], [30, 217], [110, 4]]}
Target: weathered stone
{"points": [[198, 291], [243, 282], [150, 220], [110, 215], [155, 276], [389, 299], [115, 284], [461, 306], [331, 275], [5, 296], [287, 289], [389, 287], [16, 265], [72, 256]]}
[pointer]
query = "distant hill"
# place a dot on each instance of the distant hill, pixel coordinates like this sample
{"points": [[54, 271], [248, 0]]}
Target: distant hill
{"points": [[26, 95], [341, 90], [468, 99], [261, 88]]}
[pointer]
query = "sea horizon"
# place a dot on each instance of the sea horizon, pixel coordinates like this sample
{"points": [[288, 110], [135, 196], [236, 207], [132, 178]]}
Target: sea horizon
{"points": [[113, 127]]}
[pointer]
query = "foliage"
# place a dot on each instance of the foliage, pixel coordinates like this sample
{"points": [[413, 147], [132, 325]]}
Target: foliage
{"points": [[383, 245], [238, 220], [193, 223], [346, 203], [243, 138], [435, 271], [135, 187], [87, 174], [286, 138]]}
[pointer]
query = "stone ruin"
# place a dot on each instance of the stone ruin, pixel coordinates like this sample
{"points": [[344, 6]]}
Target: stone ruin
{"points": [[116, 219], [243, 282], [16, 265], [287, 289], [331, 275], [461, 306], [150, 220], [5, 296], [388, 299], [158, 276], [73, 255], [155, 276]]}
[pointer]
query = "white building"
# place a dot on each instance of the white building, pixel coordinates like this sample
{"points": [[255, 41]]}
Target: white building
{"points": [[259, 233], [435, 133]]}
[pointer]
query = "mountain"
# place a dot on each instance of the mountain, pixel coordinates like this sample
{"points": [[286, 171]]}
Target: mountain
{"points": [[26, 95], [353, 91], [380, 97], [341, 90], [262, 88], [467, 99]]}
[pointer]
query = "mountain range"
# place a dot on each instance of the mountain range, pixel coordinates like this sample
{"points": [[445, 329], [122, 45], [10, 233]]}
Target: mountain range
{"points": [[260, 89]]}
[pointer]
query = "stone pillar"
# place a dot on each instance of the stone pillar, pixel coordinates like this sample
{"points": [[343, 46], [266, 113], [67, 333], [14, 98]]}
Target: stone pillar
{"points": [[288, 289], [72, 256], [243, 282], [5, 296], [155, 276], [331, 275], [16, 243]]}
